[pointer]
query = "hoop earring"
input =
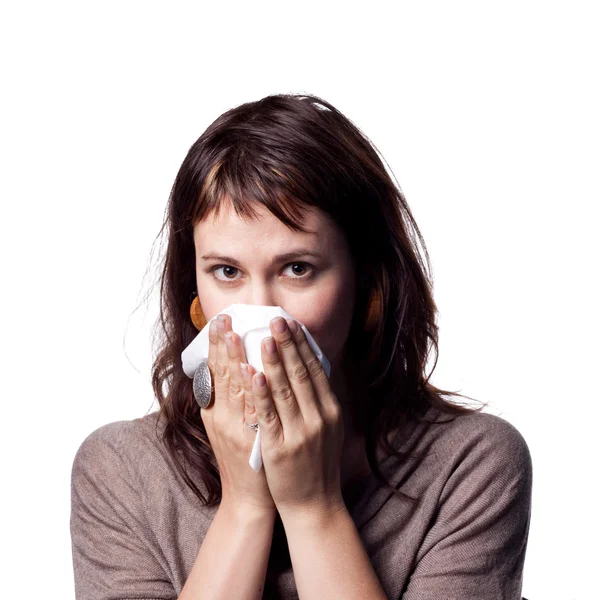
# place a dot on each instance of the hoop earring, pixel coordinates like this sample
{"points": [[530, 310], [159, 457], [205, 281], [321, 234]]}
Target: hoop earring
{"points": [[196, 314]]}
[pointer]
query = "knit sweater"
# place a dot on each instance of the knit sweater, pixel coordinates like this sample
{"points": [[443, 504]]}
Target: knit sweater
{"points": [[136, 527]]}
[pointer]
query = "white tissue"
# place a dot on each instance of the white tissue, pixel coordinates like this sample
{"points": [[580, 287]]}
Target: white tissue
{"points": [[251, 323]]}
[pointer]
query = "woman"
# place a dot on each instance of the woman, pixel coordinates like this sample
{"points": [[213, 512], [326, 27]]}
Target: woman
{"points": [[374, 484]]}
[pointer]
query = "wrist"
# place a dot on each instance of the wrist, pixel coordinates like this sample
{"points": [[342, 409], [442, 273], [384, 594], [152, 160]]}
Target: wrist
{"points": [[242, 512], [316, 517]]}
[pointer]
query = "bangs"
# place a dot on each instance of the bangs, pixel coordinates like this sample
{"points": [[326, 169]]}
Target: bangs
{"points": [[244, 182]]}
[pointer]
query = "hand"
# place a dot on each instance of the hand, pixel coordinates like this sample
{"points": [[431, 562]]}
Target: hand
{"points": [[224, 419], [301, 425]]}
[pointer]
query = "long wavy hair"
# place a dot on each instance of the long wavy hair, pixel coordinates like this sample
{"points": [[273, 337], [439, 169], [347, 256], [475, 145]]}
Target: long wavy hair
{"points": [[290, 152]]}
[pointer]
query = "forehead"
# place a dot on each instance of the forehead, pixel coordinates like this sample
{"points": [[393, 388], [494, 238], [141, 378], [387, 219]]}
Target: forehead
{"points": [[266, 228]]}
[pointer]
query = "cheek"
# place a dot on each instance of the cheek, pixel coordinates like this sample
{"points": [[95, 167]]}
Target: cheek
{"points": [[211, 306], [328, 317]]}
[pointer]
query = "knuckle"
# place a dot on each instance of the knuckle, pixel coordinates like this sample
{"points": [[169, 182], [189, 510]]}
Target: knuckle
{"points": [[221, 370], [278, 456], [269, 416], [317, 429], [286, 343], [333, 415], [300, 373], [314, 366], [282, 394], [234, 347], [236, 390], [302, 343]]}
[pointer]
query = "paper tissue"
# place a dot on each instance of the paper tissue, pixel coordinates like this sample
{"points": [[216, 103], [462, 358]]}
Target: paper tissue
{"points": [[251, 323]]}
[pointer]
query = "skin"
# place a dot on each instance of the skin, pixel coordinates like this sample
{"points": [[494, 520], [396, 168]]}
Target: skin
{"points": [[318, 291], [308, 444]]}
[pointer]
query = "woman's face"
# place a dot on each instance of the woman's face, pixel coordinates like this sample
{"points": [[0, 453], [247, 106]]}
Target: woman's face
{"points": [[242, 262]]}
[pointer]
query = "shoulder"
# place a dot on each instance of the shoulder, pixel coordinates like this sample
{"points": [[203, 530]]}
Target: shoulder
{"points": [[480, 467], [115, 531], [475, 489], [108, 435], [116, 449], [466, 458], [492, 440], [480, 440]]}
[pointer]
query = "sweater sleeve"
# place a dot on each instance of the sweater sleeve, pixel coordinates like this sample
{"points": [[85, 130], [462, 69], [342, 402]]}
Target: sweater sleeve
{"points": [[112, 557], [475, 546]]}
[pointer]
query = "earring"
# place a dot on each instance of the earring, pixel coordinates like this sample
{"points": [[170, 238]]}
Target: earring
{"points": [[375, 306], [196, 314], [202, 384]]}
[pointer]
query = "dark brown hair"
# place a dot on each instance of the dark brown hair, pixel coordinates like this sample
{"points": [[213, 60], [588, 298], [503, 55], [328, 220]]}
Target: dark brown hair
{"points": [[288, 152]]}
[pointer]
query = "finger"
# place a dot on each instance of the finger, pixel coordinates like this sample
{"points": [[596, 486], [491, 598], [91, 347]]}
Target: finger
{"points": [[213, 341], [213, 347], [279, 387], [271, 429], [237, 394], [297, 374], [248, 372], [243, 371], [320, 381], [222, 364]]}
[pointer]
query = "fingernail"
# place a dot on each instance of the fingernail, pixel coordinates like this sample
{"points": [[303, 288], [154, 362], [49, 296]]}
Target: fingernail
{"points": [[213, 327], [279, 324], [293, 326], [228, 339], [260, 380], [221, 323], [270, 345]]}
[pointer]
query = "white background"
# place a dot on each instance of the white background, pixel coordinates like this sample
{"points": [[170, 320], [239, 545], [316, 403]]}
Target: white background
{"points": [[487, 114]]}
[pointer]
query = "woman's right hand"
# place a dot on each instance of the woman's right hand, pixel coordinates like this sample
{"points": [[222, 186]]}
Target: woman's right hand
{"points": [[224, 420]]}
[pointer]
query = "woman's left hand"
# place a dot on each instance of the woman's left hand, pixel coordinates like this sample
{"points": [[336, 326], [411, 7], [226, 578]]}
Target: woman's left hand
{"points": [[301, 426]]}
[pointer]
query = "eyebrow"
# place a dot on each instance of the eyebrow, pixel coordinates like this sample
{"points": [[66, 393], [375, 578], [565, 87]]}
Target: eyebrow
{"points": [[287, 256]]}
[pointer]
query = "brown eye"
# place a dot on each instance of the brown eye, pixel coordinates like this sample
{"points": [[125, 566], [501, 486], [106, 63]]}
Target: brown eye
{"points": [[302, 267], [227, 271], [299, 270]]}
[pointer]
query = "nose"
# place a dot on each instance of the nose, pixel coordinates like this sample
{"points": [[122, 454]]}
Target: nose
{"points": [[260, 294]]}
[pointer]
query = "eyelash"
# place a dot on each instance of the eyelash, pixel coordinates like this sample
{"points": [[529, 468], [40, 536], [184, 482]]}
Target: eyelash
{"points": [[231, 281]]}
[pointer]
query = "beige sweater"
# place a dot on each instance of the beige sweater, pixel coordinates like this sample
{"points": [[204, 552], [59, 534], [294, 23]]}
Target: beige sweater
{"points": [[136, 527]]}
